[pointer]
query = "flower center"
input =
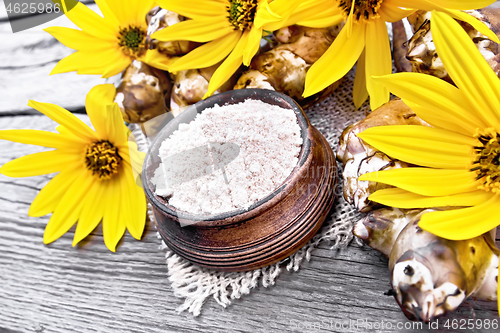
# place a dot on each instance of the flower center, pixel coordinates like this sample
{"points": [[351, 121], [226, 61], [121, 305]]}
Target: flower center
{"points": [[132, 40], [487, 160], [241, 13], [102, 159], [363, 9]]}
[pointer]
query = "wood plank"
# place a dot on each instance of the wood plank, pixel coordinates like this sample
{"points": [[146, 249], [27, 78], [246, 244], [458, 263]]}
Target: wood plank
{"points": [[26, 59], [67, 90], [58, 288]]}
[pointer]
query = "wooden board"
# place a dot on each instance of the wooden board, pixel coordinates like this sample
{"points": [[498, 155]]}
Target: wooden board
{"points": [[58, 288], [26, 60]]}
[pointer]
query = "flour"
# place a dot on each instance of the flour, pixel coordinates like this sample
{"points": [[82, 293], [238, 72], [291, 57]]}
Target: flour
{"points": [[228, 157]]}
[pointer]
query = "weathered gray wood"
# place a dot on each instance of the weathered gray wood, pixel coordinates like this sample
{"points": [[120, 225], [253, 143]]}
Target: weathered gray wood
{"points": [[58, 288], [26, 60]]}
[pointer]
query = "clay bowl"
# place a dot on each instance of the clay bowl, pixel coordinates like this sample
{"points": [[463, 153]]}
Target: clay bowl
{"points": [[269, 230]]}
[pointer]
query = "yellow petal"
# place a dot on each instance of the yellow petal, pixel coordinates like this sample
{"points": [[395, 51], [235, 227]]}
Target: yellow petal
{"points": [[39, 138], [439, 4], [140, 9], [228, 67], [90, 22], [427, 181], [440, 119], [198, 30], [337, 60], [350, 22], [68, 210], [435, 96], [132, 156], [80, 40], [265, 15], [127, 12], [466, 223], [474, 22], [117, 11], [68, 135], [280, 9], [116, 129], [325, 19], [133, 204], [396, 197], [378, 61], [359, 92], [252, 46], [109, 11], [429, 133], [65, 118], [92, 211], [390, 13], [95, 104], [106, 63], [195, 8], [39, 164], [51, 194], [315, 14], [69, 64], [208, 54], [283, 8], [113, 227], [156, 59], [421, 145], [467, 67], [118, 64]]}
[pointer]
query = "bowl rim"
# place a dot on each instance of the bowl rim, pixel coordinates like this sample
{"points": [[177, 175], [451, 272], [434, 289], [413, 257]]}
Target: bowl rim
{"points": [[233, 216]]}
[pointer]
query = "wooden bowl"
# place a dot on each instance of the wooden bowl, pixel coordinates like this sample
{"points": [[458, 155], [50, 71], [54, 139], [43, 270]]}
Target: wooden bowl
{"points": [[269, 230]]}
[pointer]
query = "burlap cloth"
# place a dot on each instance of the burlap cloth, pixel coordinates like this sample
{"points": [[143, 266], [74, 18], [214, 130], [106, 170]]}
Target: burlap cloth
{"points": [[195, 284]]}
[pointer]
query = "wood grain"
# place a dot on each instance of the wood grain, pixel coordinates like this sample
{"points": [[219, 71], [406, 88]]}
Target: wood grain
{"points": [[26, 60], [58, 288]]}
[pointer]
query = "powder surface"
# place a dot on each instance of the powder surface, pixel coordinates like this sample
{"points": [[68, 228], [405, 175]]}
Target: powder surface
{"points": [[228, 157]]}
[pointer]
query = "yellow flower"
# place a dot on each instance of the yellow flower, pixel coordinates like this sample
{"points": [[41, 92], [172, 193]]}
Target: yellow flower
{"points": [[460, 155], [232, 28], [106, 45], [95, 180], [364, 39]]}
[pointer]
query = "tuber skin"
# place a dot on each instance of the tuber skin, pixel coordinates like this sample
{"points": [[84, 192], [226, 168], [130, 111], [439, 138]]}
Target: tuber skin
{"points": [[190, 86], [422, 51], [142, 93], [400, 47], [430, 275], [359, 157], [380, 228], [278, 69], [158, 19]]}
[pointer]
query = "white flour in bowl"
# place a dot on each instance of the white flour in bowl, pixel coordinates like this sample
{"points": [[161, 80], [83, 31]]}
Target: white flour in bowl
{"points": [[228, 157]]}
